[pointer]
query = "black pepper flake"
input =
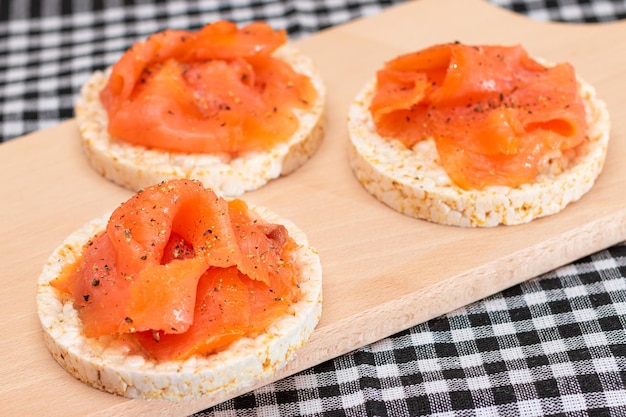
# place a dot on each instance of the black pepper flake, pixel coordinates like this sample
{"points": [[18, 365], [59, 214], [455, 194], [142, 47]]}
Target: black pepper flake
{"points": [[86, 297], [95, 282], [143, 258], [128, 320]]}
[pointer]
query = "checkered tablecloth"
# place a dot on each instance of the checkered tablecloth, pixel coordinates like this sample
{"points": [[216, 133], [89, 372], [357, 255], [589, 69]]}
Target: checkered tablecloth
{"points": [[552, 346]]}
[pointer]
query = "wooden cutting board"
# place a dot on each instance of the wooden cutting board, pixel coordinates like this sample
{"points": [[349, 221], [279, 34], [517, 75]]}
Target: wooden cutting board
{"points": [[383, 272]]}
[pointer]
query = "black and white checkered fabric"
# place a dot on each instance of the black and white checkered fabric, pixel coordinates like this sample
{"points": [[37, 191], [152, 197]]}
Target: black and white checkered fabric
{"points": [[552, 346], [573, 11]]}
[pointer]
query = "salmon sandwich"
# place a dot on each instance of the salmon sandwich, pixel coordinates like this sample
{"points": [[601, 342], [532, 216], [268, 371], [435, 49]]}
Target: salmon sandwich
{"points": [[179, 293], [233, 107], [477, 136]]}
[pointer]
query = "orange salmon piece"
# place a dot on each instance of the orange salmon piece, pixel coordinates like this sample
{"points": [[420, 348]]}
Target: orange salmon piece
{"points": [[266, 246], [96, 288], [229, 306], [493, 111], [181, 271], [236, 301], [222, 314], [132, 250], [217, 90]]}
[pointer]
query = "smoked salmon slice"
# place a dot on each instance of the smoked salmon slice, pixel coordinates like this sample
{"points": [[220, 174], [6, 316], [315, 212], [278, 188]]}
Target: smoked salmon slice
{"points": [[494, 112], [177, 263], [216, 90]]}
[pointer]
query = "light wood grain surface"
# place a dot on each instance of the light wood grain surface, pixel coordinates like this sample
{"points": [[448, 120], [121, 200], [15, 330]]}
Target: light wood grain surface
{"points": [[383, 272]]}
